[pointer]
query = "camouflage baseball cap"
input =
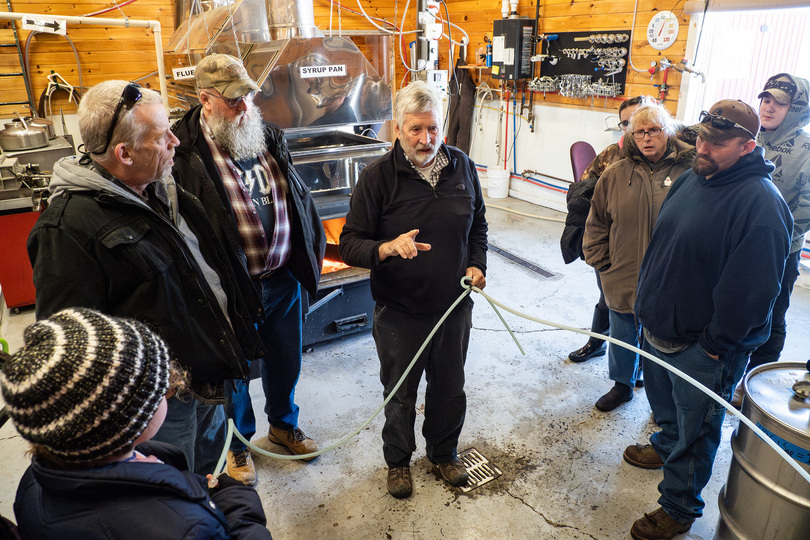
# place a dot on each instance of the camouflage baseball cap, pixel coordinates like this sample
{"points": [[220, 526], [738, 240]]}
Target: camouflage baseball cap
{"points": [[224, 73], [781, 87]]}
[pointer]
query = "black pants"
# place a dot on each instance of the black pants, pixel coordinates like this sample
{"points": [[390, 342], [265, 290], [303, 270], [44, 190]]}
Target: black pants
{"points": [[601, 313], [398, 336]]}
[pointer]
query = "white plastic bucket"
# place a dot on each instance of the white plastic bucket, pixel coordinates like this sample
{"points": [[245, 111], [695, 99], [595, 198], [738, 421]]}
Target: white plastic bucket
{"points": [[497, 183]]}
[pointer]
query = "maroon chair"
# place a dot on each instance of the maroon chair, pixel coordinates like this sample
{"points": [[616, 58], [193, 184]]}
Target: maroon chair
{"points": [[582, 154]]}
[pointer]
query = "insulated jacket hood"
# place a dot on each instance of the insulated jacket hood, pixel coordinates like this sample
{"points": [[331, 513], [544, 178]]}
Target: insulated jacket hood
{"points": [[798, 116], [70, 175], [788, 147]]}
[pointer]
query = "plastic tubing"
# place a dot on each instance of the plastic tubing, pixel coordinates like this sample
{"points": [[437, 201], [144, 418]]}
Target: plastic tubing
{"points": [[793, 463], [112, 8], [27, 61], [506, 133], [514, 133], [232, 429], [468, 288], [386, 30]]}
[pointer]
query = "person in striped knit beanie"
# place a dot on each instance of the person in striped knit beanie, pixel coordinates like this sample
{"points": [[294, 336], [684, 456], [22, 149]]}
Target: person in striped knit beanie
{"points": [[88, 391], [85, 386]]}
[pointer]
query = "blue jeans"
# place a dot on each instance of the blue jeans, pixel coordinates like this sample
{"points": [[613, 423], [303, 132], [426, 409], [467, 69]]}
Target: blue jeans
{"points": [[198, 429], [690, 422], [280, 331], [622, 363], [771, 349], [239, 407], [398, 335]]}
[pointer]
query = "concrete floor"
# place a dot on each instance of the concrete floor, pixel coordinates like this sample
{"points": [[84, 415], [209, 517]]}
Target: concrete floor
{"points": [[532, 416]]}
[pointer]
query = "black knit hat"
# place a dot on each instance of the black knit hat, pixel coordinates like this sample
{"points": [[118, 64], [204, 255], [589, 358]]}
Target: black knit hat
{"points": [[85, 385]]}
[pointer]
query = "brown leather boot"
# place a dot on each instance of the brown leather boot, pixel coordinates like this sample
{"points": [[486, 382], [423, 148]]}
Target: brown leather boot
{"points": [[643, 456], [399, 482], [294, 439], [658, 525], [241, 467]]}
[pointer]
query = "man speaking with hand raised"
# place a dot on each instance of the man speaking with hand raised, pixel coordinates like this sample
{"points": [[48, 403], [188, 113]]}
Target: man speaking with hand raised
{"points": [[421, 189]]}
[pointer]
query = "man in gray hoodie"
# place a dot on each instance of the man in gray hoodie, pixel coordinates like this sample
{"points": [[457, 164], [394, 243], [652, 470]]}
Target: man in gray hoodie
{"points": [[119, 236], [784, 112]]}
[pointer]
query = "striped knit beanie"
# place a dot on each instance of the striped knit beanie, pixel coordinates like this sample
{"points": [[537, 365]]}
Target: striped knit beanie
{"points": [[85, 385]]}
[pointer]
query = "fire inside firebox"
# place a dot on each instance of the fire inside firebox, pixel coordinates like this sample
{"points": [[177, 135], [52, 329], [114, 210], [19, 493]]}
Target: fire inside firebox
{"points": [[332, 261]]}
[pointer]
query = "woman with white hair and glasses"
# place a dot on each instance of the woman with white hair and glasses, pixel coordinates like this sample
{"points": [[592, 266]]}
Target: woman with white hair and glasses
{"points": [[624, 209]]}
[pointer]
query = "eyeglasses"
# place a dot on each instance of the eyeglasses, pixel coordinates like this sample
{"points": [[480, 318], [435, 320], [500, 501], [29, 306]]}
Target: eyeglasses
{"points": [[624, 125], [233, 102], [721, 122], [640, 134], [129, 97]]}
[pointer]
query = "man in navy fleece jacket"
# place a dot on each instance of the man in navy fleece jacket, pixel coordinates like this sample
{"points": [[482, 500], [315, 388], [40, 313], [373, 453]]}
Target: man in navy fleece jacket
{"points": [[705, 292]]}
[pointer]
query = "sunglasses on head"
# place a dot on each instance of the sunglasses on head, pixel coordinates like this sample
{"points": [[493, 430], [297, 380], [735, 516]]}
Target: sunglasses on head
{"points": [[721, 122], [129, 97]]}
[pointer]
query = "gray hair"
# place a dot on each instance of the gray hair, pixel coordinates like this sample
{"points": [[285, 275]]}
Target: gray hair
{"points": [[653, 113], [417, 97], [96, 111]]}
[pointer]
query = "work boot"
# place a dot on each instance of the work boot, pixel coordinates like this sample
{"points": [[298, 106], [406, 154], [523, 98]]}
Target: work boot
{"points": [[617, 395], [454, 472], [592, 349], [399, 482], [241, 467], [294, 439], [658, 525], [643, 456]]}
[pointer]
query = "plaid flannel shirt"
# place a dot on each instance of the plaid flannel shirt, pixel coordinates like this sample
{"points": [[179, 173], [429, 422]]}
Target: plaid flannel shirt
{"points": [[262, 255]]}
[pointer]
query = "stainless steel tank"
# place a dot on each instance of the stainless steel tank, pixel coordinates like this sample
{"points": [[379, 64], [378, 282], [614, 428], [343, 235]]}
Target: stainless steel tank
{"points": [[764, 497]]}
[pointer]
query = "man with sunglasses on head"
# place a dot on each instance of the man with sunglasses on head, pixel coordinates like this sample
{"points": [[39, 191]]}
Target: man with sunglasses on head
{"points": [[706, 287], [240, 168], [119, 236], [784, 113]]}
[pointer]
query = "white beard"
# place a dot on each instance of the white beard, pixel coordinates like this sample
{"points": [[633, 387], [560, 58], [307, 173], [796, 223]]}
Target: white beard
{"points": [[241, 142]]}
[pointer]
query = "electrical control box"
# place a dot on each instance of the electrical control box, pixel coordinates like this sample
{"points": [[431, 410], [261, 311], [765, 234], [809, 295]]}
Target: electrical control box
{"points": [[512, 49]]}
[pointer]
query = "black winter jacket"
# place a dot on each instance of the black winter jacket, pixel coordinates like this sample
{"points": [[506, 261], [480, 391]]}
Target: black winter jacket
{"points": [[101, 250], [578, 200], [135, 500], [390, 199], [195, 170]]}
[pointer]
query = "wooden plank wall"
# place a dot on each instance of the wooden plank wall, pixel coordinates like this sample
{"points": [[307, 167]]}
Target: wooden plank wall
{"points": [[112, 52], [104, 52], [585, 16], [476, 16]]}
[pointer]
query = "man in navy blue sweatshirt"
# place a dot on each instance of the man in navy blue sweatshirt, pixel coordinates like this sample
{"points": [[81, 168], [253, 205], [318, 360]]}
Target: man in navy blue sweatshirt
{"points": [[706, 288]]}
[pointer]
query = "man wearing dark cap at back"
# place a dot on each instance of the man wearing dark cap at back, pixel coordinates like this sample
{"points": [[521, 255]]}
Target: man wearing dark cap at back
{"points": [[705, 291], [240, 168], [785, 113]]}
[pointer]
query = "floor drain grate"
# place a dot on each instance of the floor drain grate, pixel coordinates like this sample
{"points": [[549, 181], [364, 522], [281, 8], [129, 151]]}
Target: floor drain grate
{"points": [[480, 469], [521, 261]]}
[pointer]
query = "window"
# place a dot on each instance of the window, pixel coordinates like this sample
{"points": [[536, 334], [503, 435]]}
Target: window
{"points": [[740, 50]]}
